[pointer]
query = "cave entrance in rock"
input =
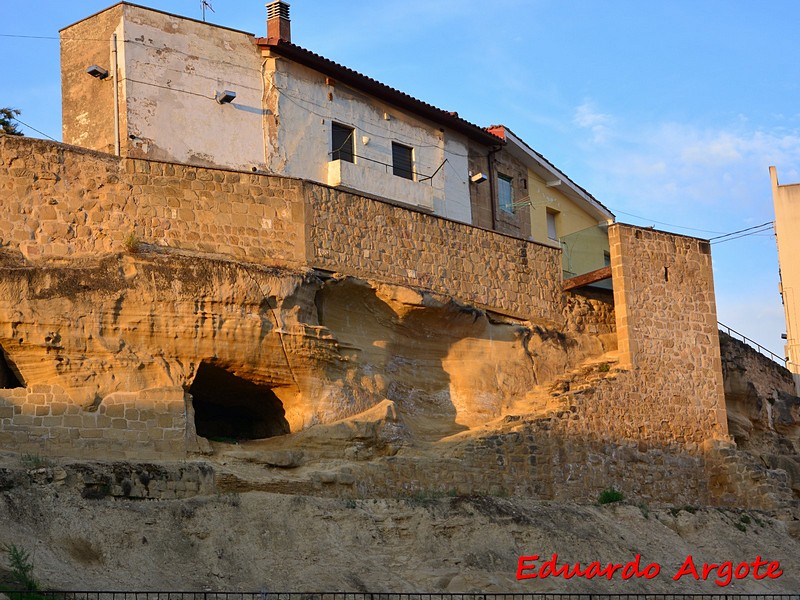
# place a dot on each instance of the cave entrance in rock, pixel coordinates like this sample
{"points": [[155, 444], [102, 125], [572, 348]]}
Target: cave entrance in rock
{"points": [[8, 376], [230, 407]]}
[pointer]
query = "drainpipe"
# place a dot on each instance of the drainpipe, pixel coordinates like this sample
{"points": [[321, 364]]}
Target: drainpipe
{"points": [[116, 95], [492, 185]]}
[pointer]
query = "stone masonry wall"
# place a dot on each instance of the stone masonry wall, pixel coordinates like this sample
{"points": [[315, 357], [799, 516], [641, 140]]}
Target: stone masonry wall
{"points": [[358, 236], [668, 342], [43, 419], [59, 201]]}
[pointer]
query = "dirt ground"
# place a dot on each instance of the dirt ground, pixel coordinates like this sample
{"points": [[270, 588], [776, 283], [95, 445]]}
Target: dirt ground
{"points": [[257, 541]]}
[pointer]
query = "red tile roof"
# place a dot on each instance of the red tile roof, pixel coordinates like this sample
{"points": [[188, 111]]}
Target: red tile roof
{"points": [[379, 90]]}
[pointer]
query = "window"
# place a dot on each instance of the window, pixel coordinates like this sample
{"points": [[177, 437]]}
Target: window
{"points": [[342, 142], [505, 193], [402, 161], [606, 259], [551, 225]]}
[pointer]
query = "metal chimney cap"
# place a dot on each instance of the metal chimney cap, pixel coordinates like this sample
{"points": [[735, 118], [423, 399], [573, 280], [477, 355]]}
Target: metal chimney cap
{"points": [[278, 9]]}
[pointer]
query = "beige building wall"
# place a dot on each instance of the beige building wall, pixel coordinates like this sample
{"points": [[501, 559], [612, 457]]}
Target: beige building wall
{"points": [[786, 199], [583, 241], [311, 102], [87, 104]]}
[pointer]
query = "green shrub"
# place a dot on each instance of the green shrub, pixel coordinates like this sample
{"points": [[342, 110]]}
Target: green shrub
{"points": [[610, 495], [21, 564]]}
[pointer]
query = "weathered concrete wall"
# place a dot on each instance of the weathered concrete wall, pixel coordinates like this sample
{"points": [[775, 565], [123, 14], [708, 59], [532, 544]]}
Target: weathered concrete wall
{"points": [[358, 236], [87, 104], [169, 71]]}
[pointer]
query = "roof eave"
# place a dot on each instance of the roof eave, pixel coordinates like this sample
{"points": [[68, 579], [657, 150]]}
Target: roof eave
{"points": [[378, 90], [577, 192]]}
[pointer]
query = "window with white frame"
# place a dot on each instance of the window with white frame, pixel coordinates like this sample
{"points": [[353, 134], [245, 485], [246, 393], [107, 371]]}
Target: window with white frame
{"points": [[505, 193]]}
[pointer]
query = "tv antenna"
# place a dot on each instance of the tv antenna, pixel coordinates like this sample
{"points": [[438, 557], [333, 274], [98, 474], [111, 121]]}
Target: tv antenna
{"points": [[205, 4]]}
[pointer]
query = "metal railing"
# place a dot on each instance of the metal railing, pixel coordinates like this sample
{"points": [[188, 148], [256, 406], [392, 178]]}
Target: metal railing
{"points": [[755, 345], [414, 174], [204, 595]]}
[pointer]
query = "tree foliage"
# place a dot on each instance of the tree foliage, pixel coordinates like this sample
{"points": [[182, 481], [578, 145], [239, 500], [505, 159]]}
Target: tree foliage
{"points": [[7, 121]]}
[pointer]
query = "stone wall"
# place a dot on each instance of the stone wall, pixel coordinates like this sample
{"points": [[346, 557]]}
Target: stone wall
{"points": [[668, 342], [362, 237], [60, 201], [44, 419], [645, 426]]}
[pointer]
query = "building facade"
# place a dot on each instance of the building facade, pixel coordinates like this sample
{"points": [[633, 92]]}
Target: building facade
{"points": [[786, 199], [178, 90]]}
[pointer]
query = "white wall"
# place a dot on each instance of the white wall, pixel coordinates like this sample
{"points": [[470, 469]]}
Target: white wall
{"points": [[306, 112], [280, 120], [172, 68]]}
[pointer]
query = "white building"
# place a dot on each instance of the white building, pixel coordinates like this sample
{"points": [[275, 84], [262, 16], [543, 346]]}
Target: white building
{"points": [[196, 93]]}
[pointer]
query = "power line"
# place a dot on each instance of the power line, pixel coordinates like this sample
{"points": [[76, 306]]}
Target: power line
{"points": [[742, 235], [770, 223], [34, 129], [667, 224]]}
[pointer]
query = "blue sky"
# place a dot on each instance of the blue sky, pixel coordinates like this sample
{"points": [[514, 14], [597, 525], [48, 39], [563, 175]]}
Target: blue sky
{"points": [[671, 111]]}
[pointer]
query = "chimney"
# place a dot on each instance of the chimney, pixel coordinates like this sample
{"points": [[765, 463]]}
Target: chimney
{"points": [[278, 24]]}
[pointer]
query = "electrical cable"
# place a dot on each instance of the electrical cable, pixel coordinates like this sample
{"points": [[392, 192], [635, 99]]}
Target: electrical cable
{"points": [[34, 129], [622, 212], [768, 223], [758, 232]]}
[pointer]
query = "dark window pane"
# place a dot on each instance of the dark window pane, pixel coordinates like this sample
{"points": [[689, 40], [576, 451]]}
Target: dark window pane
{"points": [[402, 161], [342, 143]]}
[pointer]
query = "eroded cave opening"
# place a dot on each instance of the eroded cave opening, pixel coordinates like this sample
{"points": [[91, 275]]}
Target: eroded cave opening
{"points": [[230, 407], [8, 376]]}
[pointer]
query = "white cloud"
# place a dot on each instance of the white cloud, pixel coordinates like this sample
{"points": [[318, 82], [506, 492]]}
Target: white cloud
{"points": [[588, 117]]}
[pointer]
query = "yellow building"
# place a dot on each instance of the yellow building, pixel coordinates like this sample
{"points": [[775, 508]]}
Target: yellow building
{"points": [[787, 223], [562, 213]]}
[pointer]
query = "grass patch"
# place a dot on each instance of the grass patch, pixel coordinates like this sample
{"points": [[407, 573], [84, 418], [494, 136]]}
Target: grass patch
{"points": [[610, 496], [132, 243]]}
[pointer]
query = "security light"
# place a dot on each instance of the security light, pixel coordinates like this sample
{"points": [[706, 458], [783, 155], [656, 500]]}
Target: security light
{"points": [[98, 72], [478, 178], [225, 96]]}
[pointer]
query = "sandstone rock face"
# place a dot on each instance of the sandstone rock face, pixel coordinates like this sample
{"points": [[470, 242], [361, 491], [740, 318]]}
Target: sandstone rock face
{"points": [[170, 346], [763, 412]]}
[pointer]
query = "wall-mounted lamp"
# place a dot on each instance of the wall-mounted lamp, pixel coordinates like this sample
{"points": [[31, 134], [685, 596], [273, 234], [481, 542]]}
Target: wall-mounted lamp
{"points": [[477, 178], [225, 97], [98, 72]]}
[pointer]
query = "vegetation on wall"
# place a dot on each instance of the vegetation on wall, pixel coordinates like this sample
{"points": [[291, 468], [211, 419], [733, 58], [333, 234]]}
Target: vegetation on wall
{"points": [[7, 121]]}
